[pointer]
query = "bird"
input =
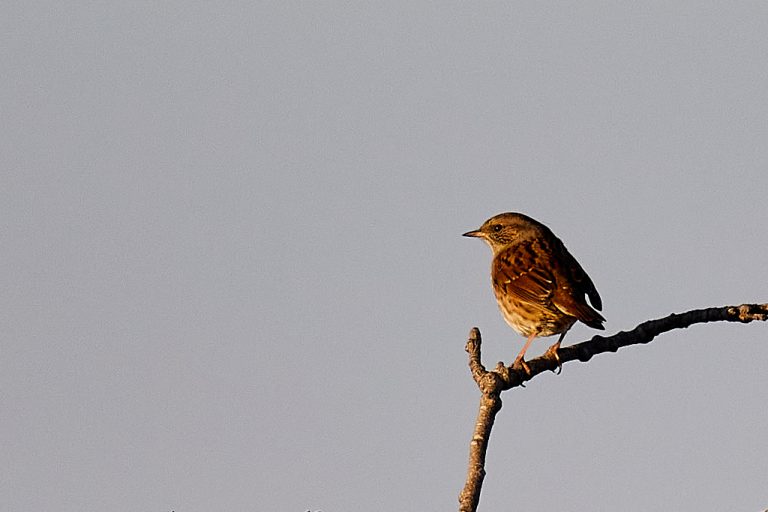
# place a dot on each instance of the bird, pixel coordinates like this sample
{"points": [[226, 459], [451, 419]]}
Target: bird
{"points": [[540, 288]]}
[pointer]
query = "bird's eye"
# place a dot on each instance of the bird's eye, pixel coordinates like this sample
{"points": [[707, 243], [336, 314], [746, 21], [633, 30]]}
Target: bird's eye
{"points": [[496, 228]]}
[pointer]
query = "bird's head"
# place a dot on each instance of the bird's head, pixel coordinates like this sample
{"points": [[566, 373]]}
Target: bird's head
{"points": [[506, 228]]}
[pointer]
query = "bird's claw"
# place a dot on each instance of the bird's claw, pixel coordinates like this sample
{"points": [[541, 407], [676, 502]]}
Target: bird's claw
{"points": [[552, 354], [520, 364]]}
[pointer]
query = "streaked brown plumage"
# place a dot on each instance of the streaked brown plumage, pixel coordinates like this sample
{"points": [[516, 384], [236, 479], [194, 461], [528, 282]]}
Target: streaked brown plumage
{"points": [[539, 286]]}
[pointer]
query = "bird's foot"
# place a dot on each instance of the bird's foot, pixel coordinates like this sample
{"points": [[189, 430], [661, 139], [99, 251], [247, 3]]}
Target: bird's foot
{"points": [[520, 364], [551, 353]]}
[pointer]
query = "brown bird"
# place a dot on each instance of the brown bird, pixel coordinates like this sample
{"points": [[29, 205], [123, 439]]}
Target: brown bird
{"points": [[539, 286]]}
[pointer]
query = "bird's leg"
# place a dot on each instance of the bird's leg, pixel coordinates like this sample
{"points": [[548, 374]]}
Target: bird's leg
{"points": [[519, 361], [552, 351]]}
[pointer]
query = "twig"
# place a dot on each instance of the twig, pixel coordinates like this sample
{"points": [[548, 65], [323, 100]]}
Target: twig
{"points": [[492, 383]]}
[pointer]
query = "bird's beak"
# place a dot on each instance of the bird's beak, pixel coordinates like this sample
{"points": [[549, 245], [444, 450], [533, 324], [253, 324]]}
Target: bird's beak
{"points": [[476, 233]]}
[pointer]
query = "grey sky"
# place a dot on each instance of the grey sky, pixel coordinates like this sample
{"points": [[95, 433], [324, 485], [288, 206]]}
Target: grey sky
{"points": [[233, 276]]}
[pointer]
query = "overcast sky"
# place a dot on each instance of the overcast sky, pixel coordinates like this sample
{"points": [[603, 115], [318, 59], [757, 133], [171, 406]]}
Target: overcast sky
{"points": [[233, 278]]}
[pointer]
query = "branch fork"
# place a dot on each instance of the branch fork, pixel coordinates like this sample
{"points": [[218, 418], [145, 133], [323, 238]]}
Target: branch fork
{"points": [[492, 383]]}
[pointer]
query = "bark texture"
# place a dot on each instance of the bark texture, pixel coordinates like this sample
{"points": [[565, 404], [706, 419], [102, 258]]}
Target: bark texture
{"points": [[493, 382]]}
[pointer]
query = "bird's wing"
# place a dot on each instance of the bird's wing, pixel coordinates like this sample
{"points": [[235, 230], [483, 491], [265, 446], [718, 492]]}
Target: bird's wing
{"points": [[582, 284], [523, 271], [573, 284]]}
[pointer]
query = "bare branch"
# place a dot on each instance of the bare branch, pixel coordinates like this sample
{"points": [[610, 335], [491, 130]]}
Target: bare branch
{"points": [[490, 404], [492, 383]]}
